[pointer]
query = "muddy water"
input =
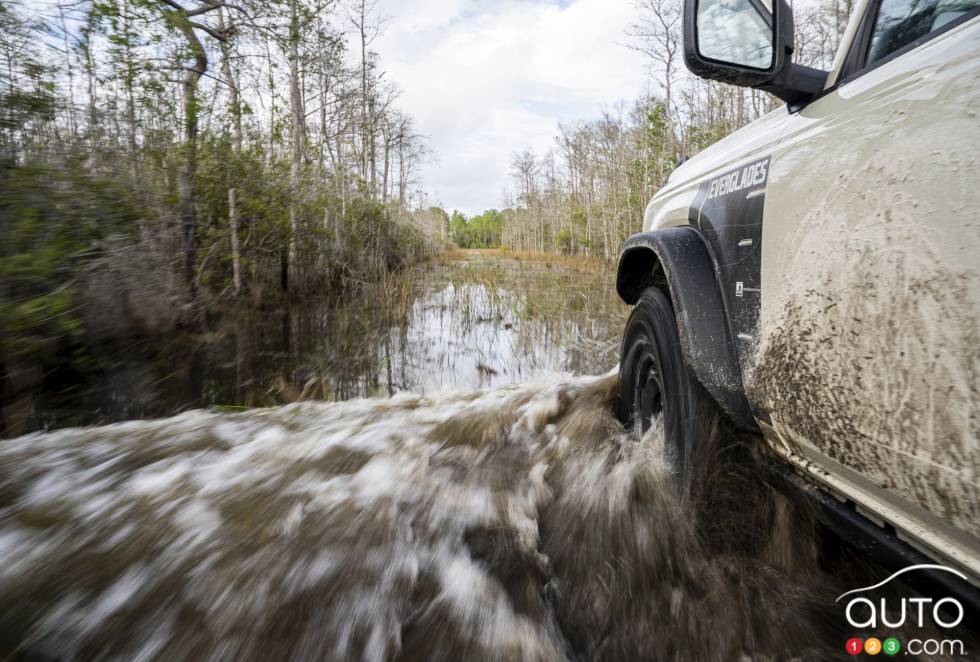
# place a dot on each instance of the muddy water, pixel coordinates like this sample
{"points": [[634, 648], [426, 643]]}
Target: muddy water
{"points": [[475, 320], [516, 523]]}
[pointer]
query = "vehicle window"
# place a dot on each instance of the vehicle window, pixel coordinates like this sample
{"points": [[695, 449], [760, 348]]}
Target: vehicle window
{"points": [[901, 22]]}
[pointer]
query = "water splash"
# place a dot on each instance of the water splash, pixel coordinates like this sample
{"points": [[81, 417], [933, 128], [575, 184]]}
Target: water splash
{"points": [[512, 524]]}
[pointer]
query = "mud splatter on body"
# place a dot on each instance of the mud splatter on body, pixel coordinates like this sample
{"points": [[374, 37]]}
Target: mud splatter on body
{"points": [[872, 355]]}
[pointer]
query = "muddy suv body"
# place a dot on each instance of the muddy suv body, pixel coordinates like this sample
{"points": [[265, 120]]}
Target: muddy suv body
{"points": [[822, 262]]}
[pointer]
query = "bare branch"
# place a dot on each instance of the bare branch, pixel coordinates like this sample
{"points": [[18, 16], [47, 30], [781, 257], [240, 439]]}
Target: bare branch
{"points": [[176, 6], [204, 9], [217, 34]]}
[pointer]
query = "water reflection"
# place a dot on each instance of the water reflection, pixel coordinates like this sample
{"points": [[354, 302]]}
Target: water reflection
{"points": [[478, 321]]}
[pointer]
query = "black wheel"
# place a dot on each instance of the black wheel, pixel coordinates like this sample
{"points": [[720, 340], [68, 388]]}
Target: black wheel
{"points": [[655, 383]]}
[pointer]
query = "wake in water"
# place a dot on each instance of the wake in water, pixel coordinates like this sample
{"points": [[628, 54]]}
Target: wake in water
{"points": [[513, 524]]}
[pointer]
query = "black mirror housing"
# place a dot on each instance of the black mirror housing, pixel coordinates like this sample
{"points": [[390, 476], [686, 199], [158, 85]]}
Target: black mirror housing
{"points": [[793, 83]]}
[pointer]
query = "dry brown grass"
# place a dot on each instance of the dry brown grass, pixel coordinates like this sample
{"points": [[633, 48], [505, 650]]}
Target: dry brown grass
{"points": [[577, 262]]}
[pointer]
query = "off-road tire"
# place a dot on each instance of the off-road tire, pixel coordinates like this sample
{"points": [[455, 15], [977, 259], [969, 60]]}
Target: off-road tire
{"points": [[654, 380]]}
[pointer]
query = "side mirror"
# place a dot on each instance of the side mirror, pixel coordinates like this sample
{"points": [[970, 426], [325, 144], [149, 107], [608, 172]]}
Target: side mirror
{"points": [[747, 43]]}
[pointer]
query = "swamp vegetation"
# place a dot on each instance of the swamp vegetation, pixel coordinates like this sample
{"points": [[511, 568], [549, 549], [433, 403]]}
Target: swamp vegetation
{"points": [[467, 319]]}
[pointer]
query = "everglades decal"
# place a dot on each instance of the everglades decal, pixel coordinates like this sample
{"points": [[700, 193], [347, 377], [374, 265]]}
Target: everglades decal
{"points": [[728, 210], [751, 175]]}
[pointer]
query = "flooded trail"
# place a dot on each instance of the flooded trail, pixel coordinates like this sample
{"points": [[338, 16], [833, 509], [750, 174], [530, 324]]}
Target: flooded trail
{"points": [[471, 319], [515, 523]]}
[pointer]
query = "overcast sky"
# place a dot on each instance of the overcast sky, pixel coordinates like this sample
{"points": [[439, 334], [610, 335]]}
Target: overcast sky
{"points": [[483, 78]]}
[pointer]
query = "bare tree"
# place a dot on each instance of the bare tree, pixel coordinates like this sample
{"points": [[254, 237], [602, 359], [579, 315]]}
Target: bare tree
{"points": [[657, 34], [184, 20], [367, 27]]}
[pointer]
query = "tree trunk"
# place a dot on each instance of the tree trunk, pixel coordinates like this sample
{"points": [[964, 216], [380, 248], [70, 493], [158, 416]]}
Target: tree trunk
{"points": [[235, 109], [298, 132], [386, 137], [364, 91], [188, 165], [402, 174], [234, 96], [70, 70], [93, 123], [236, 257], [372, 152], [129, 79]]}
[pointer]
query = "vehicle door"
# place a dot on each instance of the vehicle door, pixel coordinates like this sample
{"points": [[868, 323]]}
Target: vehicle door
{"points": [[869, 350]]}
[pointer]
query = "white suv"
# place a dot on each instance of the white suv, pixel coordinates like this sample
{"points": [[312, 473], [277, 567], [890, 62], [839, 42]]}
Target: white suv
{"points": [[815, 274]]}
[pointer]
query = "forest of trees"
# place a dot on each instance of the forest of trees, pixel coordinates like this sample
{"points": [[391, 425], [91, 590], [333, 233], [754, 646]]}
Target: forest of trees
{"points": [[587, 194], [158, 157], [482, 231]]}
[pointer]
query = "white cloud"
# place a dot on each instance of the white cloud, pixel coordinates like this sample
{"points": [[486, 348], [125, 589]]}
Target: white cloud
{"points": [[485, 78]]}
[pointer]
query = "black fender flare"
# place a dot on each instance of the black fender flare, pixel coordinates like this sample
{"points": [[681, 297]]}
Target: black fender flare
{"points": [[679, 261]]}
